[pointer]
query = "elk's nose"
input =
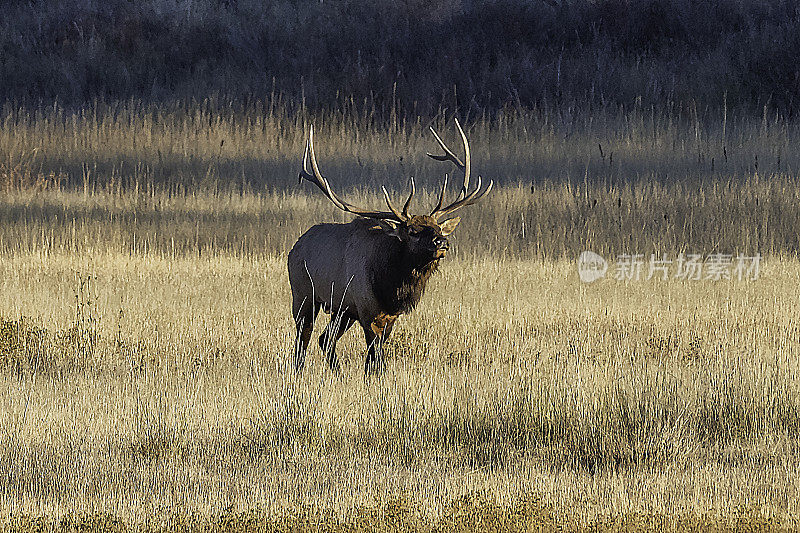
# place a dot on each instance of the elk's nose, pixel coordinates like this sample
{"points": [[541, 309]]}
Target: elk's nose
{"points": [[441, 243]]}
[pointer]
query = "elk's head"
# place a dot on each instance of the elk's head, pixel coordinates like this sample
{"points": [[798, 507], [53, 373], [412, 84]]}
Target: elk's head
{"points": [[423, 235]]}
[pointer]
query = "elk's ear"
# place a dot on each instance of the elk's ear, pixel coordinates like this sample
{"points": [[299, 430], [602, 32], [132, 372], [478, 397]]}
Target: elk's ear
{"points": [[391, 228], [449, 225]]}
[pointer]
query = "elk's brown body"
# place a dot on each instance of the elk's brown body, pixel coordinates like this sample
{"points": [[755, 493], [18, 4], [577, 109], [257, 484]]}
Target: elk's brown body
{"points": [[371, 270]]}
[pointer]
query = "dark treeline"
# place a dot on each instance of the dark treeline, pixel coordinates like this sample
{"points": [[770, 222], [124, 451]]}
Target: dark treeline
{"points": [[409, 57]]}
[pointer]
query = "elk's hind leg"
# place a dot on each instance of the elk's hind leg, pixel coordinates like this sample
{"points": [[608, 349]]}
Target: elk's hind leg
{"points": [[327, 341], [304, 312]]}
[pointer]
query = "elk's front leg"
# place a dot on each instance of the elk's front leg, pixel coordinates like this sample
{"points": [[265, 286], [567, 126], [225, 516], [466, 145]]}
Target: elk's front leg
{"points": [[375, 333]]}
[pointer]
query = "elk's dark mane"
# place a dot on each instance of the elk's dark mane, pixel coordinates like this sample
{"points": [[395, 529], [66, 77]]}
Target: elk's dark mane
{"points": [[398, 277]]}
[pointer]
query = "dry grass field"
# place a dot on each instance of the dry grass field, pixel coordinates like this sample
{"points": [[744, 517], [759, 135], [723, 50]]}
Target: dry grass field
{"points": [[146, 336]]}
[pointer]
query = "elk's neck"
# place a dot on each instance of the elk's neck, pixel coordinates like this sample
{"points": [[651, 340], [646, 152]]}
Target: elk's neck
{"points": [[399, 278]]}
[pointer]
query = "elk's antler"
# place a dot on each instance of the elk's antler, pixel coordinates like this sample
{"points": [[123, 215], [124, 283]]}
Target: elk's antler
{"points": [[320, 181], [464, 197]]}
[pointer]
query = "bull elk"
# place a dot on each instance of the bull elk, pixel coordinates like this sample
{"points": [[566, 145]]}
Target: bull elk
{"points": [[372, 269]]}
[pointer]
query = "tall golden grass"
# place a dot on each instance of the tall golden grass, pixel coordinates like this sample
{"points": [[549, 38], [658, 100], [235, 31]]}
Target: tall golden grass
{"points": [[146, 337]]}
